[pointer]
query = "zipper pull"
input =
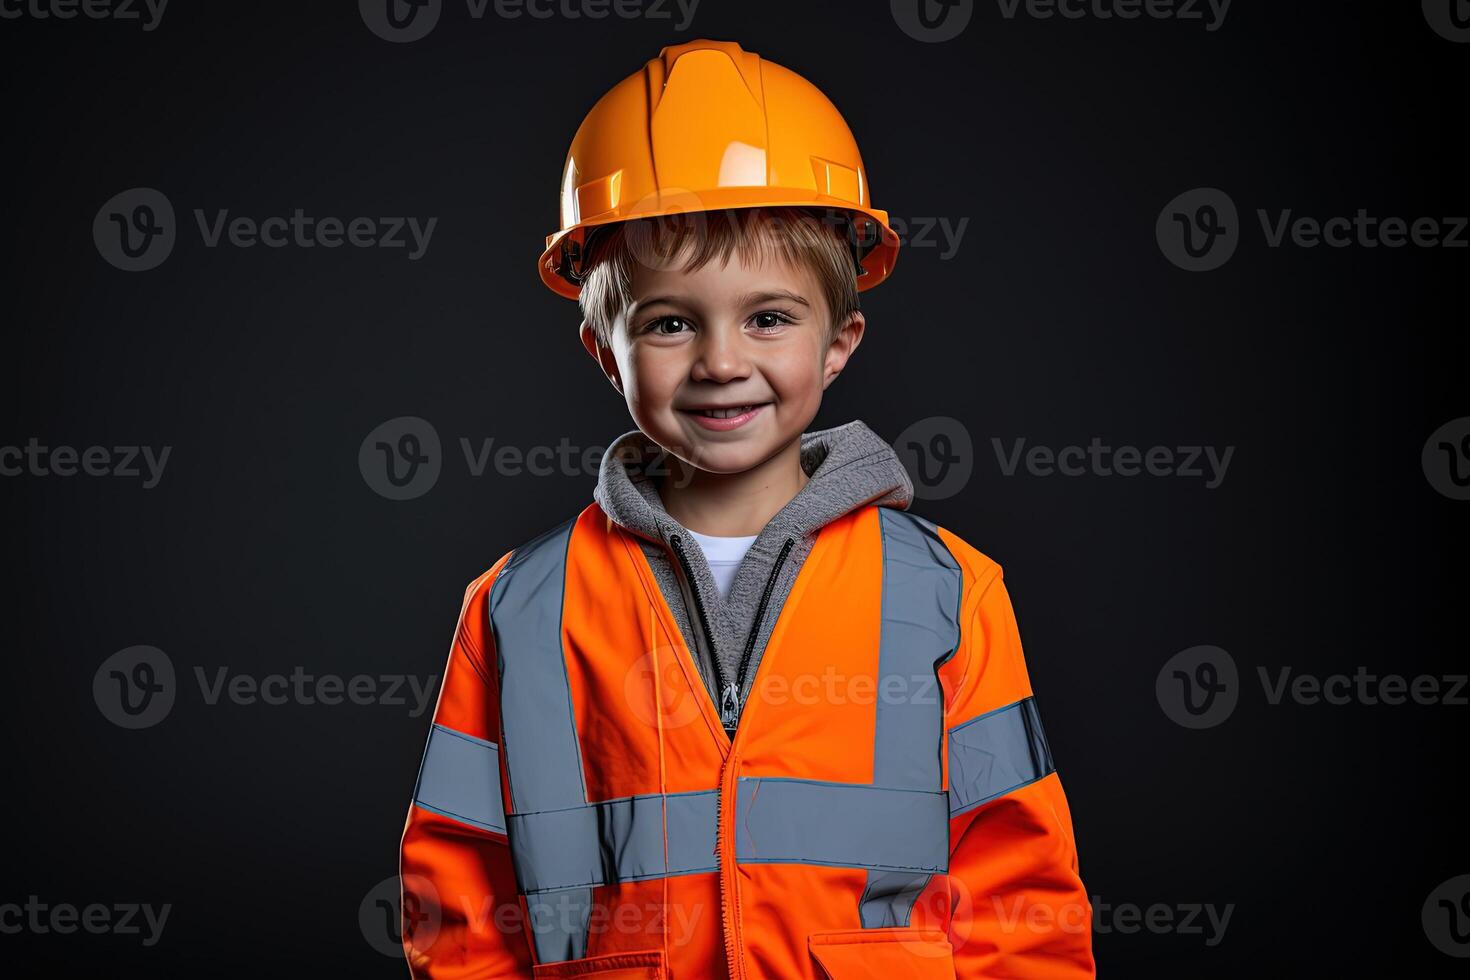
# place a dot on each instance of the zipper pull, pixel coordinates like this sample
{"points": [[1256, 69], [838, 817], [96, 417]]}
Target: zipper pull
{"points": [[729, 706]]}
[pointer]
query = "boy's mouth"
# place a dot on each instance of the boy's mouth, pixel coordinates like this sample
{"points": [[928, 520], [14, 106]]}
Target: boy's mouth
{"points": [[724, 418]]}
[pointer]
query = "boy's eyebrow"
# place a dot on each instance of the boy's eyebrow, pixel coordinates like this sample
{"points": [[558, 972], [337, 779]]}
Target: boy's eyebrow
{"points": [[766, 297]]}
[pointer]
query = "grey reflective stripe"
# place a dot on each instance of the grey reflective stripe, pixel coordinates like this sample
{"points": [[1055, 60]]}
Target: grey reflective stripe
{"points": [[995, 753], [559, 924], [615, 840], [850, 825], [920, 630], [543, 759], [459, 777], [889, 897]]}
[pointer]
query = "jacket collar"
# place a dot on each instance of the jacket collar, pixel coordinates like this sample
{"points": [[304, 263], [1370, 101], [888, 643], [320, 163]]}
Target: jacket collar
{"points": [[848, 466]]}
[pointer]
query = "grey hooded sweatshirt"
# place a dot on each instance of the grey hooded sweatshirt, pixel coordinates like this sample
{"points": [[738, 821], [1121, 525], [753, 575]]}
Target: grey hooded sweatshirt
{"points": [[848, 466]]}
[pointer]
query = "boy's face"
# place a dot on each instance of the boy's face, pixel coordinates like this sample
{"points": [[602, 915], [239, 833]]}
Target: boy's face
{"points": [[725, 336]]}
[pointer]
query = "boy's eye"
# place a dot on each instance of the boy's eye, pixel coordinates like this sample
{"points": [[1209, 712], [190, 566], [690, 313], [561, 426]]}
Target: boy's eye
{"points": [[770, 319], [764, 321], [658, 323]]}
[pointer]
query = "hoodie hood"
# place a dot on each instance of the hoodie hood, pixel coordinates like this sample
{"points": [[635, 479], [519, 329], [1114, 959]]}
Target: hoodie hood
{"points": [[848, 466]]}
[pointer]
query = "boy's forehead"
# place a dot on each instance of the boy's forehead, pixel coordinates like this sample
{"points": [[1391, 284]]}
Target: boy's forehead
{"points": [[722, 281]]}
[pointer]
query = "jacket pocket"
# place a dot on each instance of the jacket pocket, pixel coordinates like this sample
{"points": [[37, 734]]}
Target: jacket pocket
{"points": [[883, 954], [641, 965]]}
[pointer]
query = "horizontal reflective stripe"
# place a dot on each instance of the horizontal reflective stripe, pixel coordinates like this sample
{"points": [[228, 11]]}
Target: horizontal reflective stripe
{"points": [[995, 754], [851, 825], [460, 778], [614, 840]]}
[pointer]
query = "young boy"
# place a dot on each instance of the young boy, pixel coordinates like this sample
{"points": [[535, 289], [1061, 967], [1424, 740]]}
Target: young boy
{"points": [[745, 715]]}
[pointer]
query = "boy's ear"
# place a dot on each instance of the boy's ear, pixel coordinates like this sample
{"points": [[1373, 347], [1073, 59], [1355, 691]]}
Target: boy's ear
{"points": [[844, 342], [602, 355]]}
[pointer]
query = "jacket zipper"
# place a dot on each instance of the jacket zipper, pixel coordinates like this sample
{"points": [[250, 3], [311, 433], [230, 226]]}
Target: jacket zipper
{"points": [[729, 718], [730, 690]]}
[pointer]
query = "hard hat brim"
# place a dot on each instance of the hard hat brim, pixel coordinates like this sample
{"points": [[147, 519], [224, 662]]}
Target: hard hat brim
{"points": [[877, 264]]}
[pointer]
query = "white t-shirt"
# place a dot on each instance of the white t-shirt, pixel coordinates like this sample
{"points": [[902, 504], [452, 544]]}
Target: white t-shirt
{"points": [[724, 556]]}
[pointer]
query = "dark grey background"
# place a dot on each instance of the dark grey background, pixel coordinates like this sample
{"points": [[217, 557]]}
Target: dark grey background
{"points": [[1059, 319]]}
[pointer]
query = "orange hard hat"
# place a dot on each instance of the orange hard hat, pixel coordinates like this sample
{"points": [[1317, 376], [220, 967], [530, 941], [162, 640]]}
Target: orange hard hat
{"points": [[704, 126]]}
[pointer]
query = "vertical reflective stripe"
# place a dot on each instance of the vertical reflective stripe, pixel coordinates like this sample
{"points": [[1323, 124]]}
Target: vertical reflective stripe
{"points": [[995, 753], [543, 759], [889, 897], [559, 923], [459, 778], [920, 630]]}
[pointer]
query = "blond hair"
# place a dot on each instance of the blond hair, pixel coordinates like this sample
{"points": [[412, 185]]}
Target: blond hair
{"points": [[802, 236]]}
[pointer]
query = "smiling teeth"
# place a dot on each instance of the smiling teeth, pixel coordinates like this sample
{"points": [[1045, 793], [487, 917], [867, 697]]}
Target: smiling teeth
{"points": [[724, 413]]}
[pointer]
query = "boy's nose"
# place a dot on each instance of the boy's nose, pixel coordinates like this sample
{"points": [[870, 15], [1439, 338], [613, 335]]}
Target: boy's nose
{"points": [[721, 356]]}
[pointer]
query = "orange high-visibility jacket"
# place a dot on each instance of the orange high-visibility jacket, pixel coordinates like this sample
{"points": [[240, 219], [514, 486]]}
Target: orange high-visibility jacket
{"points": [[888, 807]]}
